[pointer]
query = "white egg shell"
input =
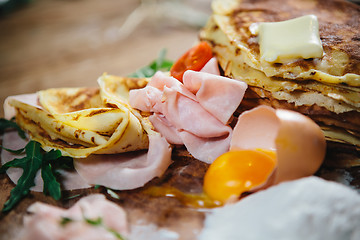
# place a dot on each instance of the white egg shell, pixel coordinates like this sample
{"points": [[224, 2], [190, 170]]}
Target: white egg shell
{"points": [[298, 141]]}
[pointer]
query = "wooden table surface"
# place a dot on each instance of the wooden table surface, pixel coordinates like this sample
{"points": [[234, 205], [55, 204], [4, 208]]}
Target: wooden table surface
{"points": [[58, 43]]}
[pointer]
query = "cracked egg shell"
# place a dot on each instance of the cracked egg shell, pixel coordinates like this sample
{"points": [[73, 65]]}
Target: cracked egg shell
{"points": [[298, 141]]}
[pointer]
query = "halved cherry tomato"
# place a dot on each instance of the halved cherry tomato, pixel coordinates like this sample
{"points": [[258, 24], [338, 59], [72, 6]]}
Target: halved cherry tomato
{"points": [[194, 59]]}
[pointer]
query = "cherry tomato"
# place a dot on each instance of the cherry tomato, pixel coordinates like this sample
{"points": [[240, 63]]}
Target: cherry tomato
{"points": [[194, 59]]}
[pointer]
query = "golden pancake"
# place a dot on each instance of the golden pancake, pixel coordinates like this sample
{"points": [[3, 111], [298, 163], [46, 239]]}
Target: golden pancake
{"points": [[84, 121]]}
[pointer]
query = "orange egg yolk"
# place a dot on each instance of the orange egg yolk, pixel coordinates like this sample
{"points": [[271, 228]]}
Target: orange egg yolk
{"points": [[236, 172]]}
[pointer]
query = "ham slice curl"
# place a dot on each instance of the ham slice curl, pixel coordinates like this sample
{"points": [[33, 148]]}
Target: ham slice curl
{"points": [[195, 113], [128, 170]]}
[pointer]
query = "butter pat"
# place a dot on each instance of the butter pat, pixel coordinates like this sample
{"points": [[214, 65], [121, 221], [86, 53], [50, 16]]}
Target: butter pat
{"points": [[290, 40]]}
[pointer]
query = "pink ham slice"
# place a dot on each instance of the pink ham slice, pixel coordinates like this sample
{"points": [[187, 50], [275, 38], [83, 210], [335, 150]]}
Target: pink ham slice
{"points": [[30, 99], [162, 125], [205, 138], [211, 66], [195, 113], [188, 115], [218, 95], [129, 170], [205, 149], [147, 99], [50, 222]]}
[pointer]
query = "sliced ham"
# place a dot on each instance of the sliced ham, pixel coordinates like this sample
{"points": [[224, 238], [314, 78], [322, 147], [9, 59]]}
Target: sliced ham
{"points": [[92, 217], [218, 95], [129, 170], [30, 99], [147, 99], [212, 67], [153, 95], [188, 115], [161, 81], [162, 125], [195, 113], [206, 149]]}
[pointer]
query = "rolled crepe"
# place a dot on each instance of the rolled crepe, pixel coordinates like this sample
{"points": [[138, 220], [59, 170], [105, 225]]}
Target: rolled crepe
{"points": [[83, 121]]}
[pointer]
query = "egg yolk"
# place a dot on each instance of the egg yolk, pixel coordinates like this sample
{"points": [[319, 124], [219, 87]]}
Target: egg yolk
{"points": [[236, 172]]}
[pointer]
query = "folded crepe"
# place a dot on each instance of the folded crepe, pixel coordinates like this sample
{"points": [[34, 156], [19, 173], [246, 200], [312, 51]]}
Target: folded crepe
{"points": [[83, 121], [325, 88]]}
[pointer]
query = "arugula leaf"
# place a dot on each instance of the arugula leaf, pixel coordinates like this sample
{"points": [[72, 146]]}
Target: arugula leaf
{"points": [[17, 152], [34, 161], [51, 185], [26, 181], [73, 196], [52, 155], [160, 64], [5, 124], [17, 162], [116, 234], [65, 220], [63, 163], [99, 222], [95, 222]]}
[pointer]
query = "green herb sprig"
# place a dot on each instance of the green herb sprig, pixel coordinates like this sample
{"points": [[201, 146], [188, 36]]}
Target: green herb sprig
{"points": [[159, 64], [35, 159], [96, 222], [99, 223], [6, 124]]}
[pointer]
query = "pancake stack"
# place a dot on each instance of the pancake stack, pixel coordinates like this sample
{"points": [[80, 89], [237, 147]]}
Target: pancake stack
{"points": [[327, 89]]}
